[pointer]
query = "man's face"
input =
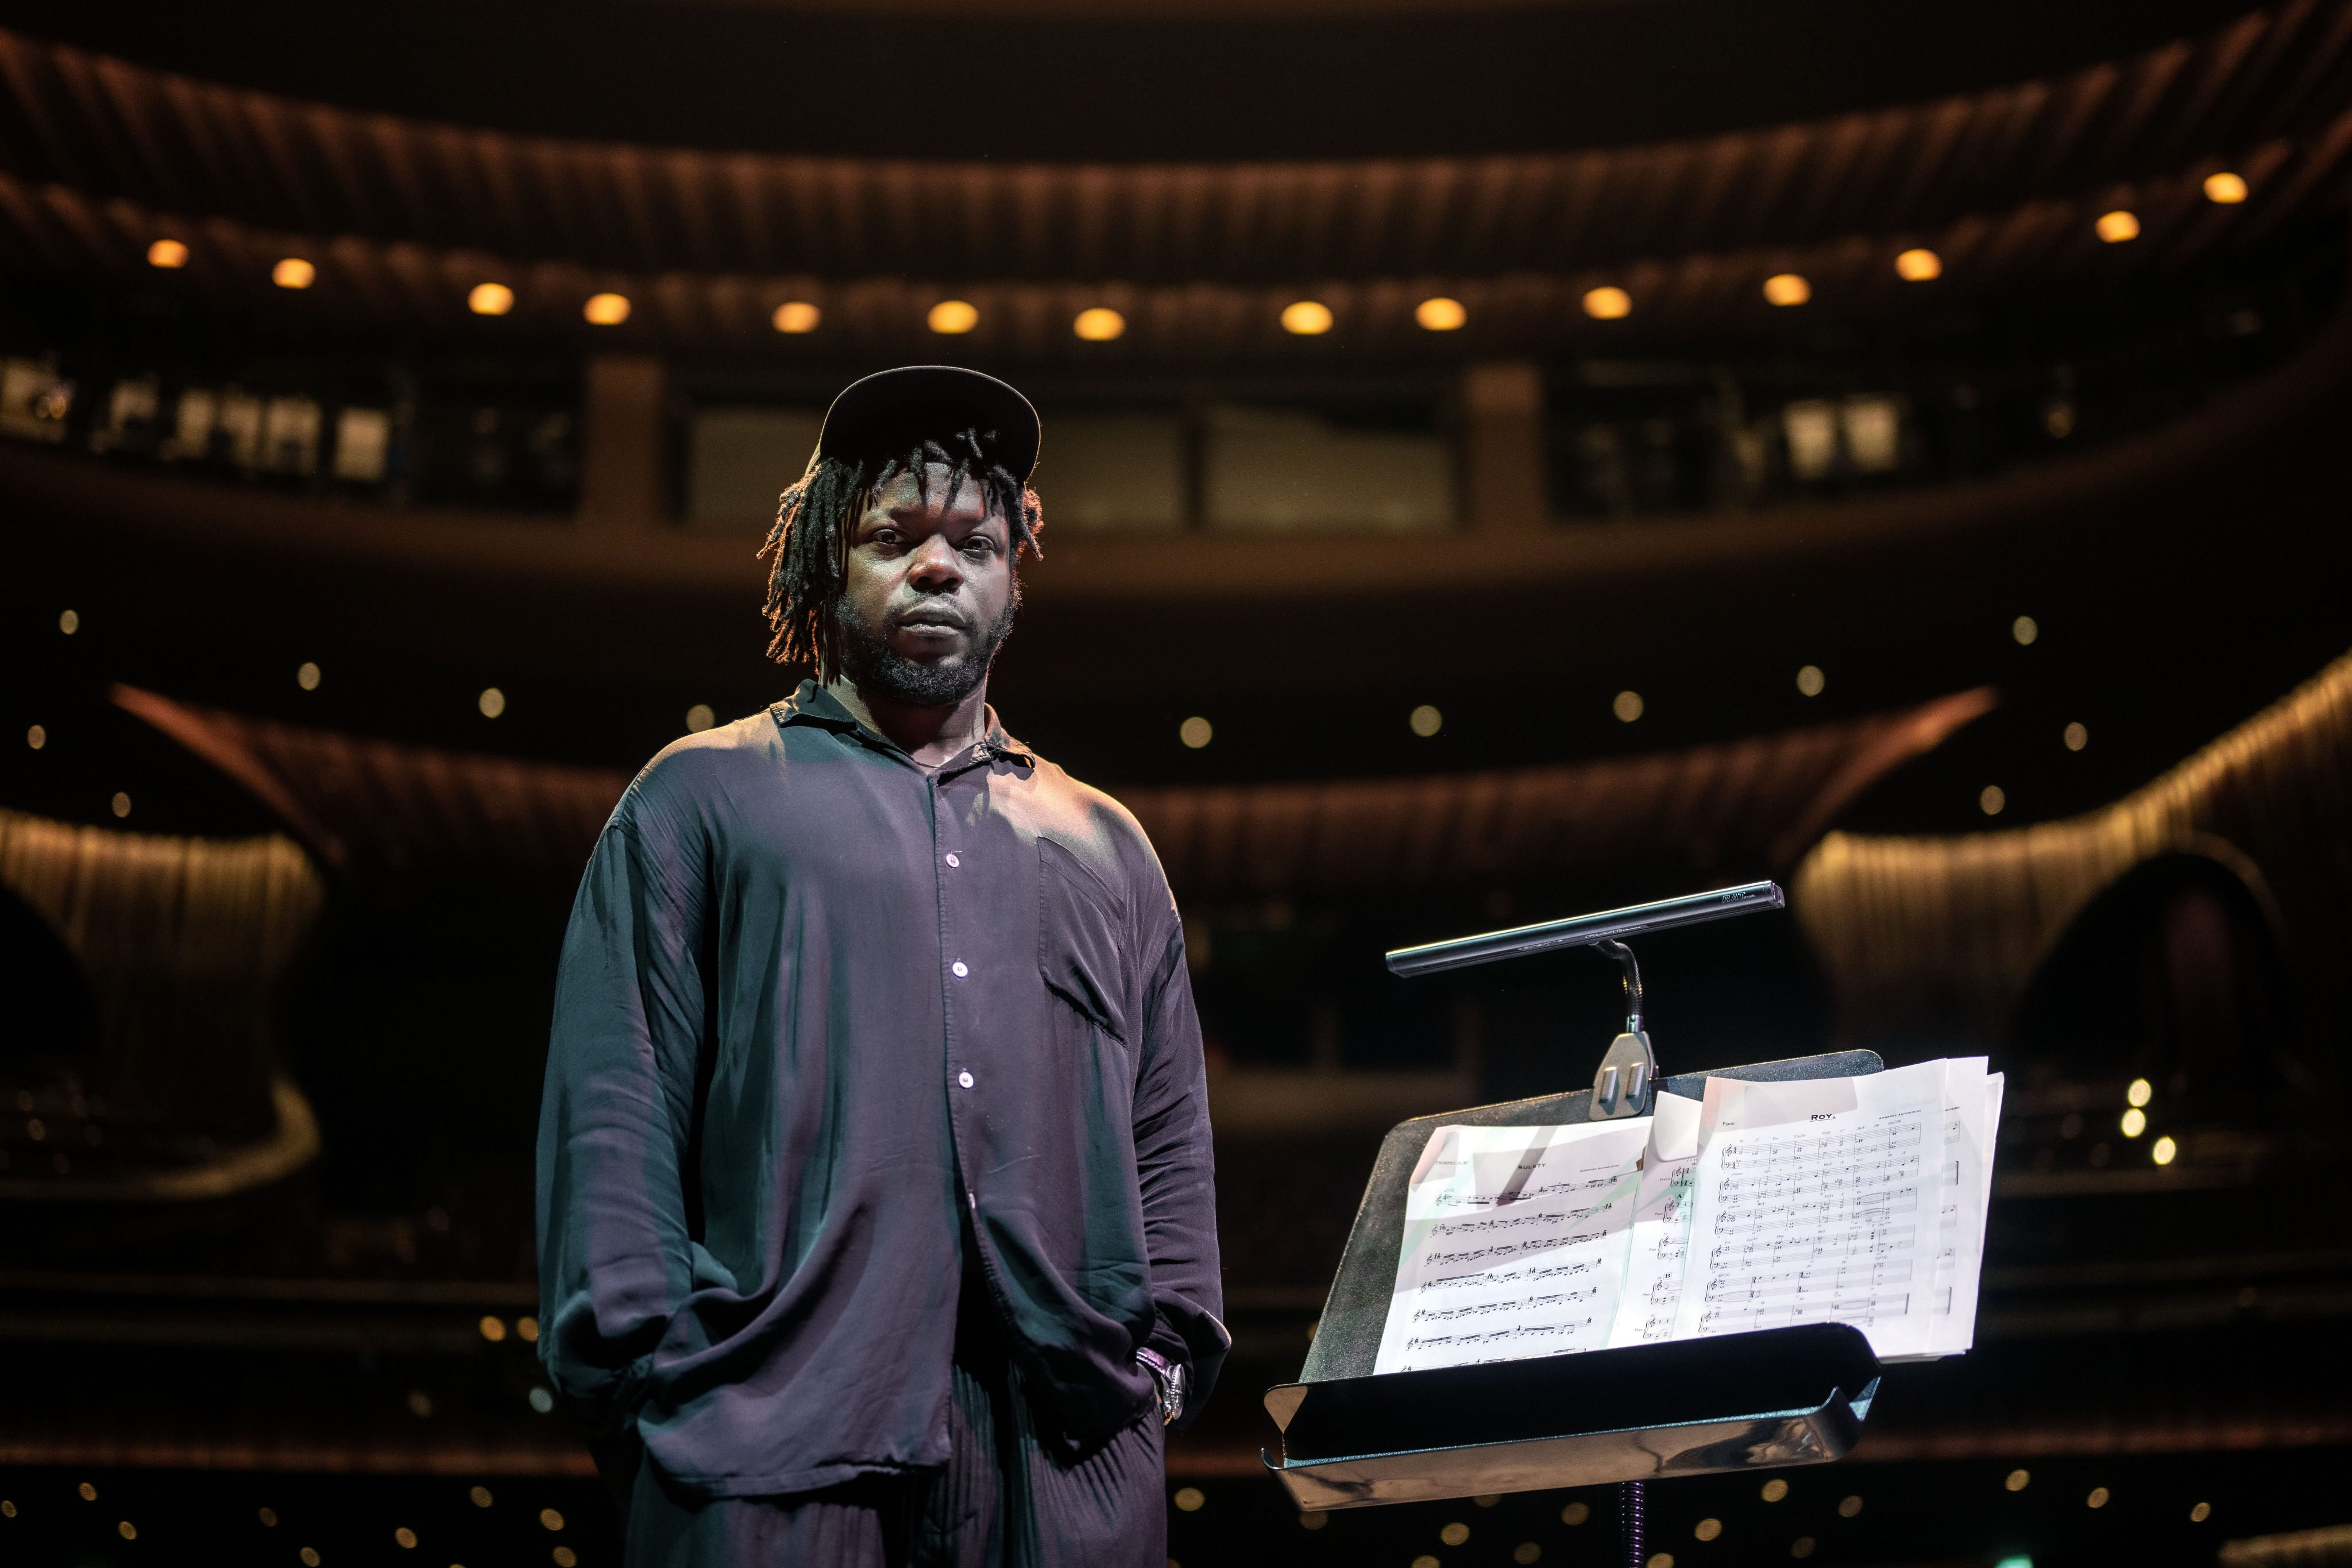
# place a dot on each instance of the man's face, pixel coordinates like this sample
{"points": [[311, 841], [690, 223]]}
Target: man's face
{"points": [[930, 592]]}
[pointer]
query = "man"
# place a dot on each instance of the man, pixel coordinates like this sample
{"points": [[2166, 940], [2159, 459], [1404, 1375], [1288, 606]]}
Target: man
{"points": [[875, 1207]]}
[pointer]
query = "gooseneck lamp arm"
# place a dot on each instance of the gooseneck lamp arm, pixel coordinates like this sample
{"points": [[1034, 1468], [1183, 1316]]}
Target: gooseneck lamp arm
{"points": [[1633, 976]]}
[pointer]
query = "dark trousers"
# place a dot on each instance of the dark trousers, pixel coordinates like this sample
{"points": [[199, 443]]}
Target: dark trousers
{"points": [[1003, 1501]]}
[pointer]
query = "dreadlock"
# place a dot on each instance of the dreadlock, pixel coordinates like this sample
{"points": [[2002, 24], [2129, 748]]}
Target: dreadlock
{"points": [[808, 548]]}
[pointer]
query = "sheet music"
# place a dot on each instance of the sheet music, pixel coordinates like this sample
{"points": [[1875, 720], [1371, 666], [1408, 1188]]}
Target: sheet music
{"points": [[1961, 1210], [1820, 1200], [1661, 1227], [1514, 1243], [1855, 1200], [1993, 1084]]}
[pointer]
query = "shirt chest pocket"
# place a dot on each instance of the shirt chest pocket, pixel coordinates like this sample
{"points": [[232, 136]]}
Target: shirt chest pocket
{"points": [[1079, 951]]}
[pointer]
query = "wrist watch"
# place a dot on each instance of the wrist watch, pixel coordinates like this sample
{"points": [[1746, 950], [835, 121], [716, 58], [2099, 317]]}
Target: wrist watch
{"points": [[1171, 1379]]}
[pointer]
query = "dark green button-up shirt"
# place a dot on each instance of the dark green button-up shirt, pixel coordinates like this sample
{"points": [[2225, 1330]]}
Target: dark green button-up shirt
{"points": [[817, 1006]]}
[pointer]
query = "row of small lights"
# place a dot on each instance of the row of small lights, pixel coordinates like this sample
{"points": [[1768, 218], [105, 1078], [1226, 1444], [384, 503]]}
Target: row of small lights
{"points": [[1301, 318], [549, 1520], [1425, 721], [1190, 1500], [1196, 732]]}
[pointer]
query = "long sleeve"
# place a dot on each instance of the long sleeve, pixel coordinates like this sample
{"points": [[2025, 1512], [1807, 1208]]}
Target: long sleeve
{"points": [[615, 1117], [1176, 1169]]}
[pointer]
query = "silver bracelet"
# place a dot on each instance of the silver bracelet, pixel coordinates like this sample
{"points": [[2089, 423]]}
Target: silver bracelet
{"points": [[1169, 1377]]}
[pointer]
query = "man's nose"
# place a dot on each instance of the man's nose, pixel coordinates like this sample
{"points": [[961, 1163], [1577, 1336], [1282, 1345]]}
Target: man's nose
{"points": [[934, 567]]}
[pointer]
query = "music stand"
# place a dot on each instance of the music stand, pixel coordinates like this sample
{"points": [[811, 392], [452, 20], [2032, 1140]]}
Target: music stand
{"points": [[1759, 1400]]}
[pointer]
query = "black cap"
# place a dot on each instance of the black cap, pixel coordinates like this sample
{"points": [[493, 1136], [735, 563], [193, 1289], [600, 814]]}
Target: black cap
{"points": [[890, 413]]}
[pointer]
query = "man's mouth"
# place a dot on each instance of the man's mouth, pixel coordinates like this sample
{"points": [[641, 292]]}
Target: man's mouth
{"points": [[930, 623]]}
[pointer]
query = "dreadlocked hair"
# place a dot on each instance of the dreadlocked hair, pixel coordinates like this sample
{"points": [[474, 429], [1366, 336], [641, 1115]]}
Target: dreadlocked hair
{"points": [[807, 550]]}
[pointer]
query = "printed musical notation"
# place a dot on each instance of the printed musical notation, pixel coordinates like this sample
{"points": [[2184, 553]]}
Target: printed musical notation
{"points": [[1661, 1229], [1769, 1203], [1514, 1245], [1827, 1201]]}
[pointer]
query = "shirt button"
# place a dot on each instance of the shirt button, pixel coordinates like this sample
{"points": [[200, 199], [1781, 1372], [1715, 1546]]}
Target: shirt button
{"points": [[953, 861], [964, 1079], [960, 970]]}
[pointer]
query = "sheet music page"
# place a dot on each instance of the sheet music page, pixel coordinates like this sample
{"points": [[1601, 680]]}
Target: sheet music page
{"points": [[1993, 1086], [1514, 1243], [1960, 1239], [1819, 1200], [1661, 1227]]}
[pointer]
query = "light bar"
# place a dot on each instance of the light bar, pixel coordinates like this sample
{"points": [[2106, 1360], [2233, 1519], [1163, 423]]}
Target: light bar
{"points": [[1583, 930]]}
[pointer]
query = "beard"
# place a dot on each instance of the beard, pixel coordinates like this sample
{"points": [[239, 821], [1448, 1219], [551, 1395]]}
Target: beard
{"points": [[873, 665]]}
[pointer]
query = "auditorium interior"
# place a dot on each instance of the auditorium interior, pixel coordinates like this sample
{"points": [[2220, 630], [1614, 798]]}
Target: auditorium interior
{"points": [[1500, 461]]}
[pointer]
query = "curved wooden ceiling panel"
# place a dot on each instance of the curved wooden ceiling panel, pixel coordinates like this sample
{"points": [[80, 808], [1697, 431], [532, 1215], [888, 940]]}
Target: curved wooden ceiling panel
{"points": [[170, 144], [406, 285]]}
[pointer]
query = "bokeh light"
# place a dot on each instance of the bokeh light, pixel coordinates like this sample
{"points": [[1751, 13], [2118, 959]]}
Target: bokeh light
{"points": [[1307, 318], [1918, 265], [953, 318], [1440, 314]]}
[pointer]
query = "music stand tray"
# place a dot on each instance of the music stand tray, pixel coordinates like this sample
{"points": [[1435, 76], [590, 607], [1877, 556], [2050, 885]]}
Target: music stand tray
{"points": [[1760, 1400]]}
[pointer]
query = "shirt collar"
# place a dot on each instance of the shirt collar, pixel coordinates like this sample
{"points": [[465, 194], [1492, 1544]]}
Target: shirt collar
{"points": [[814, 704]]}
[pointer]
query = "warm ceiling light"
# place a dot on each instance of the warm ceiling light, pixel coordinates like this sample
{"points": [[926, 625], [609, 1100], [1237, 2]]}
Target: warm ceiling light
{"points": [[1608, 304], [797, 316], [1307, 318], [1440, 314], [490, 299], [2225, 188], [951, 317], [1099, 325], [1918, 266], [606, 309], [293, 273], [2118, 226], [172, 253], [1787, 288]]}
